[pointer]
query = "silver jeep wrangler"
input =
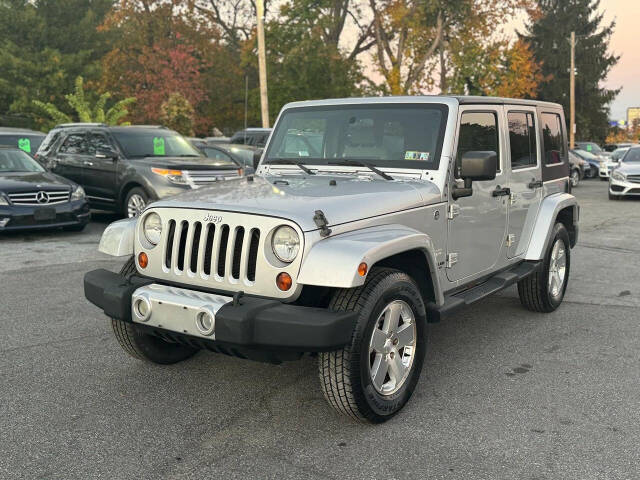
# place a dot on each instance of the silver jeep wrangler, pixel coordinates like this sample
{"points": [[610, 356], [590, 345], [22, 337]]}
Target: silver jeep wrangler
{"points": [[367, 218]]}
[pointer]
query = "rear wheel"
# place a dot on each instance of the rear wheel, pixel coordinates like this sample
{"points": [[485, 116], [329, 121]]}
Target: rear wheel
{"points": [[544, 290], [144, 346], [373, 377]]}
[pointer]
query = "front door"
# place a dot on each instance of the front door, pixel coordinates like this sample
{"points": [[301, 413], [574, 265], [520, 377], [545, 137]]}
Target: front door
{"points": [[525, 181], [68, 161], [100, 174], [477, 224]]}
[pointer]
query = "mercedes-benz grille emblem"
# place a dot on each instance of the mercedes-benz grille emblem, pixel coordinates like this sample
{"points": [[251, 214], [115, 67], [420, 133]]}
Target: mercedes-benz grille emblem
{"points": [[42, 197]]}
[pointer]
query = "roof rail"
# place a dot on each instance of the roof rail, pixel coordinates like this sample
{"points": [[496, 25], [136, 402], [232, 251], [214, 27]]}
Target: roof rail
{"points": [[147, 126], [80, 124]]}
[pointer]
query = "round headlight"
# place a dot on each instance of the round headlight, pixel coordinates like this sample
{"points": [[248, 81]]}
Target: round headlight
{"points": [[152, 228], [285, 244]]}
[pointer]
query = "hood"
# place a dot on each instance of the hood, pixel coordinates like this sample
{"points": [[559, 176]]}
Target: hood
{"points": [[187, 163], [629, 168], [29, 181], [297, 198]]}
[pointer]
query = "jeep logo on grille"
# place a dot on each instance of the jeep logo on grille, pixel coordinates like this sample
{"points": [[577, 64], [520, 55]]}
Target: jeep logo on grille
{"points": [[209, 217]]}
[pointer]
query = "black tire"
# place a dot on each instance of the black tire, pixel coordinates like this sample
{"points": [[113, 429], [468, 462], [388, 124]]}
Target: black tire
{"points": [[604, 179], [534, 290], [139, 191], [575, 177], [613, 197], [143, 346], [345, 374]]}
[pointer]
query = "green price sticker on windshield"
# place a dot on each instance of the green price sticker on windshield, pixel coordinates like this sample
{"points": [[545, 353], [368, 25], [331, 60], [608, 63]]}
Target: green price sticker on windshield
{"points": [[158, 146], [24, 144], [589, 148]]}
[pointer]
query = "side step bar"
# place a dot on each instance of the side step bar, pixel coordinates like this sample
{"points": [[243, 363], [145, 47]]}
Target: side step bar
{"points": [[492, 285]]}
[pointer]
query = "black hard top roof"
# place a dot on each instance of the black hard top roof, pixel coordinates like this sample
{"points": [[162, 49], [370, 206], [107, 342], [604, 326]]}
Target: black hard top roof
{"points": [[473, 99]]}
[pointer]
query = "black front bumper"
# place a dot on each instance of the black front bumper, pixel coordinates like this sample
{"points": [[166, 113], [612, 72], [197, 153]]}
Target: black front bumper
{"points": [[25, 217], [254, 324]]}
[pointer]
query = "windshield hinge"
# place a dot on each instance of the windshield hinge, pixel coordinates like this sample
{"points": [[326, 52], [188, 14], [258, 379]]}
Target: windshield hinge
{"points": [[321, 221], [453, 211]]}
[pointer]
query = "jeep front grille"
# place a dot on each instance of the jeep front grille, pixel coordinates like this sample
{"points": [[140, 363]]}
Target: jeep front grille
{"points": [[202, 248], [223, 251]]}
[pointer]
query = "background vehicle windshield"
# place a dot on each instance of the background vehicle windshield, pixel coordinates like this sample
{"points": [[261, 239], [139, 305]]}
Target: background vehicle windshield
{"points": [[221, 158], [618, 154], [27, 143], [18, 161], [632, 156], [589, 147], [586, 155], [406, 136], [154, 143]]}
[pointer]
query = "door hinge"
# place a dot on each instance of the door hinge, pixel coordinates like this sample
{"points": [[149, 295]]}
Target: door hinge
{"points": [[512, 199], [511, 239], [453, 211], [452, 259]]}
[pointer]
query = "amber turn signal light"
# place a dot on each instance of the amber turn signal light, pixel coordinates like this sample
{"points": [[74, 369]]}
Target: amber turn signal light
{"points": [[143, 260], [362, 269], [283, 281]]}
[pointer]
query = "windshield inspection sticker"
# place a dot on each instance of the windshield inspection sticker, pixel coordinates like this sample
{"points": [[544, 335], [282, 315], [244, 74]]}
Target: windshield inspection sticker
{"points": [[158, 146], [411, 155], [24, 144]]}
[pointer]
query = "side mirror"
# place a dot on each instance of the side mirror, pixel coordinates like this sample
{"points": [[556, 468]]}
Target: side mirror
{"points": [[106, 153], [475, 166], [257, 155]]}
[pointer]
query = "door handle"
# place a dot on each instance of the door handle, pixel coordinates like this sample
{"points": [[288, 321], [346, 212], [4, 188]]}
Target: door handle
{"points": [[88, 163], [501, 192], [535, 184]]}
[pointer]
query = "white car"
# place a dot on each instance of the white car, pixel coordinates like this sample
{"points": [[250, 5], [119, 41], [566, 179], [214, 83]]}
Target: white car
{"points": [[625, 179]]}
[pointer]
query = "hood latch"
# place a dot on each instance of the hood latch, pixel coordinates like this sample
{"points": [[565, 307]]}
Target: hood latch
{"points": [[321, 222]]}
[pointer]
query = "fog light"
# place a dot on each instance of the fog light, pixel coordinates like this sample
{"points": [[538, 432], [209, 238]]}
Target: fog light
{"points": [[205, 322], [143, 260], [142, 309], [283, 281]]}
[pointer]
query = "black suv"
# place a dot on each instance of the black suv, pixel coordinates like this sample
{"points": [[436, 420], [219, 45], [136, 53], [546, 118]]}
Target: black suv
{"points": [[125, 168], [256, 137]]}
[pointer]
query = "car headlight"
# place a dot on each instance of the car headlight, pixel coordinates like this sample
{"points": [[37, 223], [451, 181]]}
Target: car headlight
{"points": [[285, 244], [152, 228], [174, 176], [78, 193], [621, 177]]}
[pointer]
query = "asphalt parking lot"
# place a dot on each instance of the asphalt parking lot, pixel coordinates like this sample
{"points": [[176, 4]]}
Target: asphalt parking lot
{"points": [[505, 393]]}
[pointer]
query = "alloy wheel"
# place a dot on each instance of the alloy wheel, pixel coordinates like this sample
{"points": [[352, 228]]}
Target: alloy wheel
{"points": [[557, 268], [392, 347], [136, 205]]}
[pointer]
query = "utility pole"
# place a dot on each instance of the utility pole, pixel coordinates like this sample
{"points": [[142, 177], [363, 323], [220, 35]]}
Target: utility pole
{"points": [[262, 65], [572, 93]]}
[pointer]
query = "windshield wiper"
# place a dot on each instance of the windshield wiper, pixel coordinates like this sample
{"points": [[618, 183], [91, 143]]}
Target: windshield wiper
{"points": [[297, 163], [357, 163]]}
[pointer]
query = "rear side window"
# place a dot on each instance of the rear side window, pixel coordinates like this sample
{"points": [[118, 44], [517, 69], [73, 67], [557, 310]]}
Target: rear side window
{"points": [[478, 132], [73, 144], [97, 142], [554, 150], [522, 139]]}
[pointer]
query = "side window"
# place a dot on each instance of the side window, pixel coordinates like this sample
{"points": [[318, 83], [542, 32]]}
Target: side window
{"points": [[73, 144], [478, 132], [97, 141], [522, 140], [554, 151]]}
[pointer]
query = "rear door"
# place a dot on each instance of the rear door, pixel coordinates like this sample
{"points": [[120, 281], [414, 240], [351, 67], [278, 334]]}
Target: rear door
{"points": [[100, 174], [68, 160], [525, 180]]}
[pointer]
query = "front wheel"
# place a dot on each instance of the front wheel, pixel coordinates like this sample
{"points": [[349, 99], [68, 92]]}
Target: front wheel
{"points": [[575, 178], [135, 202], [373, 377], [544, 290]]}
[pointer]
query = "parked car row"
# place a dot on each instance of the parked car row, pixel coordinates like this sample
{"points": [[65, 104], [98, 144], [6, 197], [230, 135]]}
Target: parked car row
{"points": [[625, 177], [52, 180]]}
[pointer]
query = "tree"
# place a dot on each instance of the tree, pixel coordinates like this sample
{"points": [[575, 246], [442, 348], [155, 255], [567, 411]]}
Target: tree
{"points": [[177, 113], [547, 33], [44, 46], [84, 112]]}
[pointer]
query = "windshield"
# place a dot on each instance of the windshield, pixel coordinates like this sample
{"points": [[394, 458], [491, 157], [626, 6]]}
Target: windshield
{"points": [[244, 155], [27, 143], [220, 157], [586, 155], [405, 136], [618, 153], [589, 147], [17, 161], [632, 156], [154, 143]]}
